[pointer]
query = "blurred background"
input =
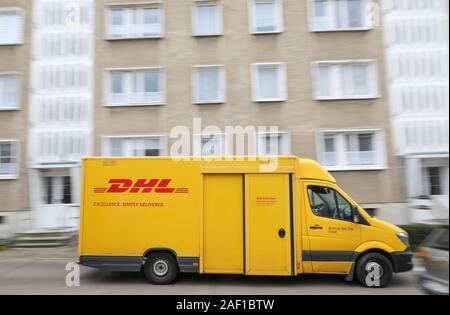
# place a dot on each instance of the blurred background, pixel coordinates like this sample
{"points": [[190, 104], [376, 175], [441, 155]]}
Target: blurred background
{"points": [[361, 86]]}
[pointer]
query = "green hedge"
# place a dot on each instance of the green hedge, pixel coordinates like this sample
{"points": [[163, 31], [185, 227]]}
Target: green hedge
{"points": [[418, 233], [4, 244]]}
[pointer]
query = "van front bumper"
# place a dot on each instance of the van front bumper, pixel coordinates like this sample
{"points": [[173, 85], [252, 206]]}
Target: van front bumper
{"points": [[403, 261]]}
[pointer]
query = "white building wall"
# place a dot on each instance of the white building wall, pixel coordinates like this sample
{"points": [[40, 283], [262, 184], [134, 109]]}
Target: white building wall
{"points": [[61, 102], [417, 53]]}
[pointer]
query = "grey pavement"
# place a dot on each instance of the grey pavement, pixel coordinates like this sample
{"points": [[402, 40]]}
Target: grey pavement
{"points": [[42, 271]]}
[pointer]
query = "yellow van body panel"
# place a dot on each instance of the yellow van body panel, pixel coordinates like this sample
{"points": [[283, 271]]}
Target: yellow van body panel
{"points": [[309, 169], [223, 241], [374, 245], [128, 223], [238, 215]]}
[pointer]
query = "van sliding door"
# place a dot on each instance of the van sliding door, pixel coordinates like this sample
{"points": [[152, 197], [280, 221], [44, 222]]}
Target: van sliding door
{"points": [[268, 224]]}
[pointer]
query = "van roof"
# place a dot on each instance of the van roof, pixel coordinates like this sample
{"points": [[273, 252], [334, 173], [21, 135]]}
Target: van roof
{"points": [[304, 169]]}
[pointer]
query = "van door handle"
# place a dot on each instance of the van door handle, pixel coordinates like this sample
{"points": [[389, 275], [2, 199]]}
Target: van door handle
{"points": [[316, 227]]}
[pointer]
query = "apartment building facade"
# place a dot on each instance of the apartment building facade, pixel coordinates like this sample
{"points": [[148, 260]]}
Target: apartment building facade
{"points": [[15, 45], [314, 69], [417, 53], [115, 77]]}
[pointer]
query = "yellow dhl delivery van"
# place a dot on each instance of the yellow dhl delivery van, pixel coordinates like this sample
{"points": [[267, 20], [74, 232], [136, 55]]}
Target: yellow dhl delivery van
{"points": [[163, 217]]}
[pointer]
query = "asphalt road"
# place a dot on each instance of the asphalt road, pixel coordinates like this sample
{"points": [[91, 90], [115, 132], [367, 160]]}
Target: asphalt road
{"points": [[42, 271]]}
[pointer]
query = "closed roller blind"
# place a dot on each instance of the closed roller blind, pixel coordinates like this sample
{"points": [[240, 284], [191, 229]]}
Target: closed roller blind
{"points": [[11, 27]]}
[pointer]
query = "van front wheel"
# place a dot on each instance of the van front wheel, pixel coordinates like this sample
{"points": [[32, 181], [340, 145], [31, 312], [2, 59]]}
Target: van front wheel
{"points": [[160, 268], [374, 270]]}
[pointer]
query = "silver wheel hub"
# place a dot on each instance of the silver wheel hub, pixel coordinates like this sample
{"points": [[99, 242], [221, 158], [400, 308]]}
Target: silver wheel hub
{"points": [[374, 267], [161, 268]]}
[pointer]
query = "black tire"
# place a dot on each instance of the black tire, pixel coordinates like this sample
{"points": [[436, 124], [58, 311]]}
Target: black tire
{"points": [[368, 264], [161, 268]]}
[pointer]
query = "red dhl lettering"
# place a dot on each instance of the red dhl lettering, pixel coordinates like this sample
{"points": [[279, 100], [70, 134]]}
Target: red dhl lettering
{"points": [[154, 185]]}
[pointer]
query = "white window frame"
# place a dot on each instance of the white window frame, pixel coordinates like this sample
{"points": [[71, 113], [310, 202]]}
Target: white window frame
{"points": [[128, 87], [16, 150], [55, 179], [222, 85], [279, 17], [127, 23], [197, 149], [22, 14], [19, 89], [286, 145], [106, 142], [442, 164], [340, 150], [373, 84], [219, 26], [282, 81], [367, 25]]}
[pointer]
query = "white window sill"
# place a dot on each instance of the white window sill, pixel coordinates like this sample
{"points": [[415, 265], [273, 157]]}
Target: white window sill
{"points": [[343, 98], [270, 100], [266, 32], [208, 35], [355, 168], [135, 105], [11, 44], [355, 29], [209, 102], [110, 38], [7, 109], [9, 177]]}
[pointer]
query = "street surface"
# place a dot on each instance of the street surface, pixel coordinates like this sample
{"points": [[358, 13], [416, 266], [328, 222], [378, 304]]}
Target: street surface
{"points": [[42, 271]]}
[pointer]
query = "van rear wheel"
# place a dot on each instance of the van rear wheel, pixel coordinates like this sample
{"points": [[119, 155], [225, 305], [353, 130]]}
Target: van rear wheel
{"points": [[374, 270], [161, 268]]}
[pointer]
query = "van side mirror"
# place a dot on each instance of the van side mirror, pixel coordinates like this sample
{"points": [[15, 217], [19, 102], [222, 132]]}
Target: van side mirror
{"points": [[355, 214]]}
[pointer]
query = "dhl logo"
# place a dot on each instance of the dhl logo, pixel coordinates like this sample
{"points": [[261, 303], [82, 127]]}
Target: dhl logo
{"points": [[156, 185]]}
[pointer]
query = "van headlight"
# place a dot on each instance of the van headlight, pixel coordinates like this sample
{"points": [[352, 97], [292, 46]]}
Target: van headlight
{"points": [[404, 238]]}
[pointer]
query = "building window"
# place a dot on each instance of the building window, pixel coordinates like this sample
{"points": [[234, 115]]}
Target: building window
{"points": [[209, 145], [360, 149], [8, 159], [134, 22], [11, 26], [135, 87], [345, 80], [434, 180], [209, 84], [58, 190], [9, 91], [338, 15], [266, 16], [207, 18], [273, 143], [352, 150], [269, 82], [135, 146]]}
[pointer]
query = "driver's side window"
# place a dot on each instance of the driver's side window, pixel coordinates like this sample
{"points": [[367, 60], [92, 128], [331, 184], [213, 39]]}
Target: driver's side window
{"points": [[328, 203]]}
